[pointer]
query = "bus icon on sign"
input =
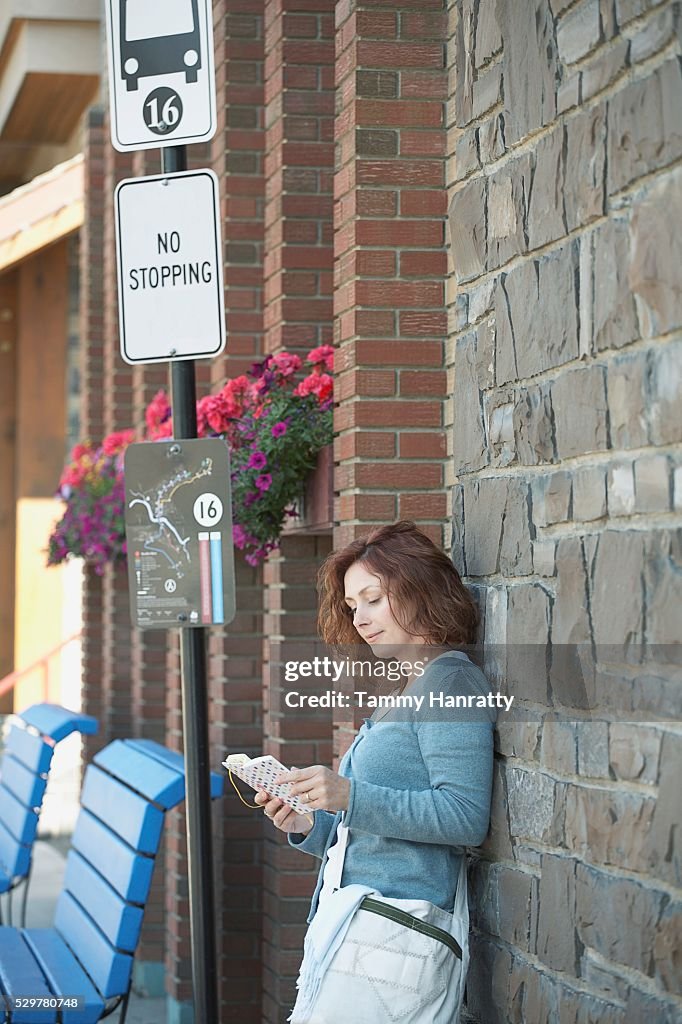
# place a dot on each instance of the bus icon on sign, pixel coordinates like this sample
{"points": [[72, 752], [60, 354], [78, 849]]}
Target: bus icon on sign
{"points": [[159, 39]]}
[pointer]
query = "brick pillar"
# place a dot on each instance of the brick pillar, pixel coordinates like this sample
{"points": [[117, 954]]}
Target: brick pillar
{"points": [[238, 162], [178, 952], [117, 414], [289, 880], [389, 237], [92, 697], [236, 726], [299, 156], [91, 278], [299, 107], [234, 653], [234, 674], [92, 375]]}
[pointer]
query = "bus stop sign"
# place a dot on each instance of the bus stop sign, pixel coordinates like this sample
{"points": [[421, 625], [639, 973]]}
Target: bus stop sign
{"points": [[161, 73]]}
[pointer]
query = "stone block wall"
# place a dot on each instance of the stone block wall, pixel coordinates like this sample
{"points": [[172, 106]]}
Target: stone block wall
{"points": [[565, 363]]}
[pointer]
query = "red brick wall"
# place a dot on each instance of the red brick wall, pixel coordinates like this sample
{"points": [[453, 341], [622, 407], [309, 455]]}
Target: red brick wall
{"points": [[117, 409], [91, 407], [390, 265], [289, 879], [299, 109], [237, 156], [297, 270]]}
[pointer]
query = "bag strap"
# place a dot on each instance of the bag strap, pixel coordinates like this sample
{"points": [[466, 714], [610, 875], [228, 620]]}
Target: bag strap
{"points": [[461, 908], [337, 868]]}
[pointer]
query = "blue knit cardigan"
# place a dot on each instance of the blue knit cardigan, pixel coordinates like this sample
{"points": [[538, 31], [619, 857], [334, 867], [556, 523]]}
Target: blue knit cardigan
{"points": [[420, 792]]}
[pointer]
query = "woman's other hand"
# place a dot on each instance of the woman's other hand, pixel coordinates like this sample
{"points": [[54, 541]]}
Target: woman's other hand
{"points": [[283, 817], [319, 788]]}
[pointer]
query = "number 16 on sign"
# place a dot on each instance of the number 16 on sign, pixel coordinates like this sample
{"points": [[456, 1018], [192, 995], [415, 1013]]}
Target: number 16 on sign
{"points": [[161, 73], [208, 511]]}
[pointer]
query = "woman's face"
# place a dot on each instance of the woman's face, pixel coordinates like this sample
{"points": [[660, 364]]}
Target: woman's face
{"points": [[373, 619]]}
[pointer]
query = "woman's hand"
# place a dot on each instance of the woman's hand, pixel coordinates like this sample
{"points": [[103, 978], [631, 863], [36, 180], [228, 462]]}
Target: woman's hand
{"points": [[319, 788], [283, 817]]}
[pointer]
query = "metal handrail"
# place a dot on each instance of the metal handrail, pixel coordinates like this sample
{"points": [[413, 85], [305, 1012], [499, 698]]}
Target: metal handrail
{"points": [[43, 663]]}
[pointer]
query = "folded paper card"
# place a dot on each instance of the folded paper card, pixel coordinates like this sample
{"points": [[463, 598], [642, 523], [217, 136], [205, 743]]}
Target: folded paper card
{"points": [[262, 771]]}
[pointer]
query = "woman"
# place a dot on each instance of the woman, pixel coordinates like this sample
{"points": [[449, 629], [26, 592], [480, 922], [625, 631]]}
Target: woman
{"points": [[411, 792]]}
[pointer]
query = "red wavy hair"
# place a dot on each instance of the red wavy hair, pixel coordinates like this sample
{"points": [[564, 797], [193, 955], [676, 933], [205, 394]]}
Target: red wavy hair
{"points": [[425, 591]]}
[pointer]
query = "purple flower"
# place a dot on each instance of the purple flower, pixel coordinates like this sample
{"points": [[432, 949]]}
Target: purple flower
{"points": [[257, 461], [240, 537], [264, 481], [250, 498], [279, 429]]}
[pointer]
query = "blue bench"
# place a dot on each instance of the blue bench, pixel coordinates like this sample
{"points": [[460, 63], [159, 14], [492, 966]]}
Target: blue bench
{"points": [[89, 951], [30, 744]]}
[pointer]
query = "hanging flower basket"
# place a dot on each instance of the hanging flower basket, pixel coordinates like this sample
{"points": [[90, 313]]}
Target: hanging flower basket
{"points": [[275, 422]]}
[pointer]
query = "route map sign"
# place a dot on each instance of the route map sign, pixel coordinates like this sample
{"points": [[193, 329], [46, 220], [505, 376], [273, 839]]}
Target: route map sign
{"points": [[170, 268], [161, 73], [178, 520]]}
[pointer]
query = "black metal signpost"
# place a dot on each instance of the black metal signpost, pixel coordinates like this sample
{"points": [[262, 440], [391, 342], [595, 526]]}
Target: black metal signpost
{"points": [[195, 724], [162, 86]]}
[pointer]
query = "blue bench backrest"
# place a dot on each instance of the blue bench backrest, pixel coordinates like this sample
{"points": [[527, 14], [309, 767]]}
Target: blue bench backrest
{"points": [[109, 867], [28, 755]]}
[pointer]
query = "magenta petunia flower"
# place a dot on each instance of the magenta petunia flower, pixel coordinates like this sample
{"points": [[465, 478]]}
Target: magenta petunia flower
{"points": [[257, 461], [241, 537], [279, 429], [264, 481]]}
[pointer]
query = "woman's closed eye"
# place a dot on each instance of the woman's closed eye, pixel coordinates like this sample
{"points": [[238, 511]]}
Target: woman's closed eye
{"points": [[353, 610]]}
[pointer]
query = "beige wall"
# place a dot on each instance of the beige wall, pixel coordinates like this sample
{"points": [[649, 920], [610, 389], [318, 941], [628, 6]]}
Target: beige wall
{"points": [[8, 290], [37, 608]]}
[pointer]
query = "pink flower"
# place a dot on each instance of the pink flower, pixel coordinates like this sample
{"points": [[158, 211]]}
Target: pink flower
{"points": [[324, 354], [164, 431], [79, 450], [218, 410], [264, 481], [285, 364], [237, 393], [203, 426], [118, 441], [319, 384], [279, 429], [241, 537], [257, 461], [157, 413]]}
